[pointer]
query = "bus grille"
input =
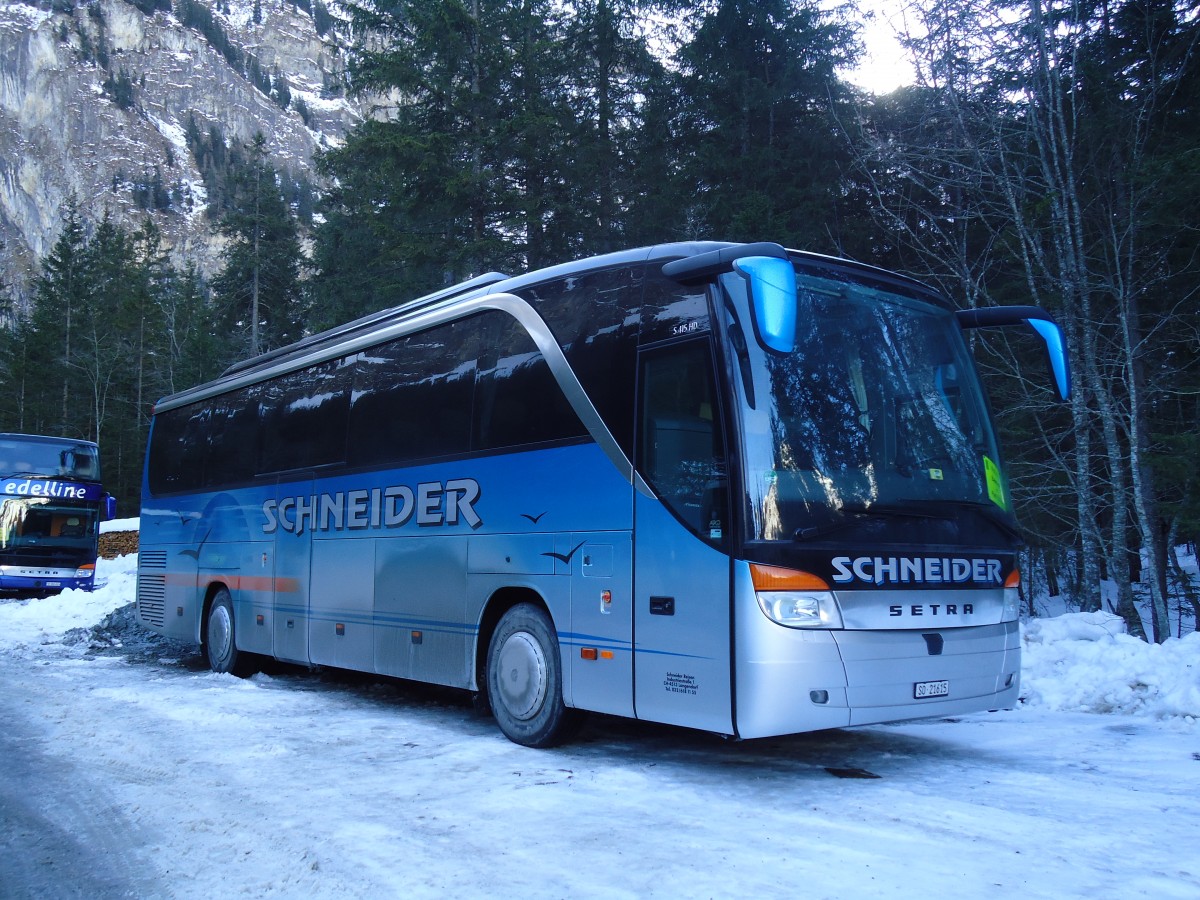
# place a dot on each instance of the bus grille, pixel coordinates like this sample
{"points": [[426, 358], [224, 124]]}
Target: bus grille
{"points": [[152, 559], [152, 598]]}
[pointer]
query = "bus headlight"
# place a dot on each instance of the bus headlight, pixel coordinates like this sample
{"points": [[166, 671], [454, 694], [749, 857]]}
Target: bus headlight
{"points": [[793, 598], [85, 571], [795, 610]]}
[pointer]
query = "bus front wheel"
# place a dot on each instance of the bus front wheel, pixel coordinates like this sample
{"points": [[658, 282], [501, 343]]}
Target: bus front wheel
{"points": [[524, 678], [220, 644]]}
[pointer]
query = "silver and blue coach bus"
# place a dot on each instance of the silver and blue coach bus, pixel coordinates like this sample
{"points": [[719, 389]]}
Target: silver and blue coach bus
{"points": [[725, 486], [51, 506]]}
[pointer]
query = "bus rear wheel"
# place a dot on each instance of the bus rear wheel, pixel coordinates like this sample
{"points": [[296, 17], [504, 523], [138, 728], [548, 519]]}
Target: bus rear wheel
{"points": [[220, 644], [524, 678]]}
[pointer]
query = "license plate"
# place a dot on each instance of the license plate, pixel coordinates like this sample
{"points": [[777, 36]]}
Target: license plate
{"points": [[925, 689]]}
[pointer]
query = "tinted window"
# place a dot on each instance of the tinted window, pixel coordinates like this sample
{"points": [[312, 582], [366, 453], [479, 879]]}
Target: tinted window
{"points": [[177, 449], [681, 445], [234, 438], [470, 385], [517, 399], [304, 417], [594, 317], [412, 396], [672, 310]]}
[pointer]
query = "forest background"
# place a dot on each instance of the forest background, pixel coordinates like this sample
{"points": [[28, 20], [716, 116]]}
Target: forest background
{"points": [[1048, 154]]}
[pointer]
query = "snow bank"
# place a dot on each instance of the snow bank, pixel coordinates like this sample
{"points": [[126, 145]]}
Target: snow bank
{"points": [[26, 624], [120, 525], [1086, 662]]}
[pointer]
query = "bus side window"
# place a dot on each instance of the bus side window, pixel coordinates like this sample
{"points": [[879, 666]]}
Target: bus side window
{"points": [[681, 448], [304, 418], [517, 400], [412, 396], [234, 438], [594, 316], [177, 450]]}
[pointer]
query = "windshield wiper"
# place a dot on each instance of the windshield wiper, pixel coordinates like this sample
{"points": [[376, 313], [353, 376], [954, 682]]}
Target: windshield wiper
{"points": [[858, 514], [812, 532], [988, 511]]}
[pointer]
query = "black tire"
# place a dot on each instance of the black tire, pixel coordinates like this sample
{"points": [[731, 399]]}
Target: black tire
{"points": [[524, 679], [220, 639]]}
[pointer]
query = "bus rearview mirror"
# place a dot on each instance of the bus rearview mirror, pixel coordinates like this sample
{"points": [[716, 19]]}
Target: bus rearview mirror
{"points": [[772, 284], [1043, 326], [1056, 350]]}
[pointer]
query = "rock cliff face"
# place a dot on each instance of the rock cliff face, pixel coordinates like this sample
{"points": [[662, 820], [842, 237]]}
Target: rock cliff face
{"points": [[62, 134]]}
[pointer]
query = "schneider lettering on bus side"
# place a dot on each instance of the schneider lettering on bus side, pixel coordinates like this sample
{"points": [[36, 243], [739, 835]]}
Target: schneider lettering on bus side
{"points": [[430, 503]]}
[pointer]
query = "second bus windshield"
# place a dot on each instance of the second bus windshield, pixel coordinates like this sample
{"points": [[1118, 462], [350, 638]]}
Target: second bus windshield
{"points": [[48, 459], [873, 423]]}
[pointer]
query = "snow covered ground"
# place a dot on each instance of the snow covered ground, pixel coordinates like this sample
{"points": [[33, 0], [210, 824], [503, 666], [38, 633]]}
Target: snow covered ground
{"points": [[128, 769]]}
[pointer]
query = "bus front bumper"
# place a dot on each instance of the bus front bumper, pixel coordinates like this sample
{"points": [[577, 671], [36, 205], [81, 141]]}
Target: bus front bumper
{"points": [[831, 679], [45, 579]]}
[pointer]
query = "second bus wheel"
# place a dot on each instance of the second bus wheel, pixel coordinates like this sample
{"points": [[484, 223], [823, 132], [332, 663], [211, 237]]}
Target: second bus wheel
{"points": [[220, 645], [524, 677]]}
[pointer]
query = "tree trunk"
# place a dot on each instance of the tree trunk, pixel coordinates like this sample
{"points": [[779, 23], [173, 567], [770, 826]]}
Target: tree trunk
{"points": [[1154, 551]]}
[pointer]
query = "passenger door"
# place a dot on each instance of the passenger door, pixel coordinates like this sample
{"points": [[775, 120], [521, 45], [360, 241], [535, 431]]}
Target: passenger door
{"points": [[681, 577]]}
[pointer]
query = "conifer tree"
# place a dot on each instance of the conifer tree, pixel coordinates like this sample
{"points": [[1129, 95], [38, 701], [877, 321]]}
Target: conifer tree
{"points": [[506, 146], [259, 289], [100, 353], [611, 74], [755, 131], [194, 350], [60, 295]]}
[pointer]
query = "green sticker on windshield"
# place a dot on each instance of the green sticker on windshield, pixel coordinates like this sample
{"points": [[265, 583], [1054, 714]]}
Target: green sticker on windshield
{"points": [[995, 483]]}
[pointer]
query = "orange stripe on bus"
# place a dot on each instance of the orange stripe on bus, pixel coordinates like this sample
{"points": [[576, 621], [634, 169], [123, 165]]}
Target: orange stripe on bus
{"points": [[239, 582], [263, 583]]}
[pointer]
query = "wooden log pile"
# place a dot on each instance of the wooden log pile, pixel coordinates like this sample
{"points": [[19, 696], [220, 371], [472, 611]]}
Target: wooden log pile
{"points": [[118, 543]]}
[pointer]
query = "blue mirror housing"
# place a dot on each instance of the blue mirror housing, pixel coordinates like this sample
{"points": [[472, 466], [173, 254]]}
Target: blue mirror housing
{"points": [[1056, 349], [772, 284], [110, 507], [1043, 326]]}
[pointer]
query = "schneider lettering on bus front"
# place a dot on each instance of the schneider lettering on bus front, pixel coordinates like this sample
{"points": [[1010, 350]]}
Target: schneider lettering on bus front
{"points": [[917, 570]]}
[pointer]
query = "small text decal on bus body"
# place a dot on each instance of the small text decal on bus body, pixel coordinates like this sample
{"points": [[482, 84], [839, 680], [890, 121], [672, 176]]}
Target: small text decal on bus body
{"points": [[431, 502]]}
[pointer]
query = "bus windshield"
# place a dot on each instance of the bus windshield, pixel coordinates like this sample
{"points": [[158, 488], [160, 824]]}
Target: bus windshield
{"points": [[42, 524], [46, 459], [873, 428]]}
